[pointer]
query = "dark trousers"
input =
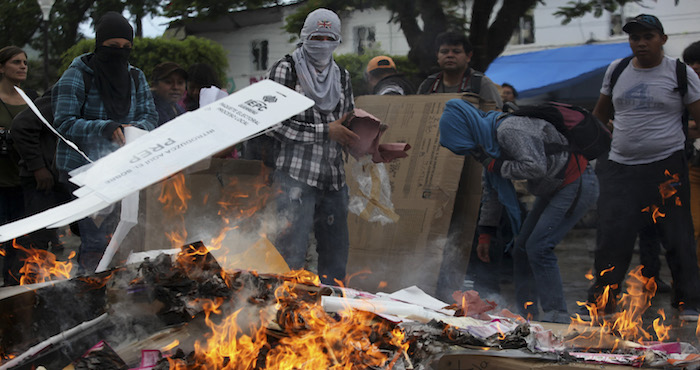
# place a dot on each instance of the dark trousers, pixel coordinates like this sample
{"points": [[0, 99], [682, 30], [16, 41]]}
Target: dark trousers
{"points": [[626, 192], [11, 209], [36, 201]]}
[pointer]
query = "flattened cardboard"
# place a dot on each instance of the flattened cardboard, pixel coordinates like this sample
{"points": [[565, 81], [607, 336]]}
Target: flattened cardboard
{"points": [[427, 188], [241, 186]]}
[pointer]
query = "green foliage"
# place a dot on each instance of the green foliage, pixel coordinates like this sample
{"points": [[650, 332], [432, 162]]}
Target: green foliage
{"points": [[204, 9], [148, 52], [356, 64], [19, 19], [576, 9]]}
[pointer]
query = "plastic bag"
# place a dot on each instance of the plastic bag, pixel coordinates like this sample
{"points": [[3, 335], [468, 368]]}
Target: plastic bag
{"points": [[371, 199]]}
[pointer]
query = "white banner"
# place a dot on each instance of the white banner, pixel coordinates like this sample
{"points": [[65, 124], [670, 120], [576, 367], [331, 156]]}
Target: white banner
{"points": [[170, 148]]}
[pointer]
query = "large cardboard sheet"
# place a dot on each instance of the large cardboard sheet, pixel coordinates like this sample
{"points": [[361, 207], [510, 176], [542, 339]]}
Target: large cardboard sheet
{"points": [[168, 149], [426, 191]]}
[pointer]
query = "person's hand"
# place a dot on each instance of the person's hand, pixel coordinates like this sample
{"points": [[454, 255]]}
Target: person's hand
{"points": [[481, 156], [341, 134], [482, 251], [44, 179], [118, 136]]}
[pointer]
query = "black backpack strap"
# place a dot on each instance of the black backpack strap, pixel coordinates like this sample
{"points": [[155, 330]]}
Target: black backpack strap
{"points": [[475, 83], [682, 77], [618, 71]]}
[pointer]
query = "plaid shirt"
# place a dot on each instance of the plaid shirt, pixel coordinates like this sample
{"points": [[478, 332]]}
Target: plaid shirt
{"points": [[87, 129], [307, 153]]}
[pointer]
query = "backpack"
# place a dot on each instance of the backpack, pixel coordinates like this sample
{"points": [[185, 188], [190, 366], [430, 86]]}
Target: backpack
{"points": [[584, 132], [682, 80]]}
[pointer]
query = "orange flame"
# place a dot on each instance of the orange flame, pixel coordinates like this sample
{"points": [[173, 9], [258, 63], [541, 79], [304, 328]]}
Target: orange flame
{"points": [[174, 196], [41, 266], [172, 345], [661, 330], [627, 323], [313, 339]]}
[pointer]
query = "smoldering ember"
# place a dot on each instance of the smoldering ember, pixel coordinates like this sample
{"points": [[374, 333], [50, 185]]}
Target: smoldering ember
{"points": [[201, 286]]}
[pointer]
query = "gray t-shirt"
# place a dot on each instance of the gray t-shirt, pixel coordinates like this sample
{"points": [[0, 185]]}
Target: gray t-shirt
{"points": [[648, 111]]}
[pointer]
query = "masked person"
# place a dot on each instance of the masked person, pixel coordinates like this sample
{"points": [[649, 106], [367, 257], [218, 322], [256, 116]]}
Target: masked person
{"points": [[309, 174], [565, 186], [96, 97]]}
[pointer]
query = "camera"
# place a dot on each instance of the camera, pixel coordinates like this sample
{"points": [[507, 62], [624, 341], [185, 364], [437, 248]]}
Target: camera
{"points": [[5, 142]]}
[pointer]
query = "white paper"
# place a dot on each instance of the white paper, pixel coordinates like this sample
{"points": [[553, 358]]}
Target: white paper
{"points": [[170, 148], [381, 307], [129, 215], [208, 95], [34, 109], [414, 295]]}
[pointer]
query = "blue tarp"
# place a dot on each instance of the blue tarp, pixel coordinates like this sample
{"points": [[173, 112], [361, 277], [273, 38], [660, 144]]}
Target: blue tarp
{"points": [[543, 71]]}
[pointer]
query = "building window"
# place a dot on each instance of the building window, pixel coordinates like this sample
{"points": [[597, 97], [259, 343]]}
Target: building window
{"points": [[364, 38], [616, 24], [259, 52], [524, 32]]}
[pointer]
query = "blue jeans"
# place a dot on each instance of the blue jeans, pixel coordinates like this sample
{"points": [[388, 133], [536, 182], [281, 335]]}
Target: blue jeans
{"points": [[304, 208], [536, 270]]}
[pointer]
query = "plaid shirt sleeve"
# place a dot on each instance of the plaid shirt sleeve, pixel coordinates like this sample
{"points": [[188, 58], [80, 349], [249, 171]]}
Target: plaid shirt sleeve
{"points": [[68, 98]]}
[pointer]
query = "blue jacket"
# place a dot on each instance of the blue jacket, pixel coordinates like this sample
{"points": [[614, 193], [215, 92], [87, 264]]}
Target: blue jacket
{"points": [[91, 130]]}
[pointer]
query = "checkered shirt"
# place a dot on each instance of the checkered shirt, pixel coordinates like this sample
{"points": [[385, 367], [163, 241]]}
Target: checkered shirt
{"points": [[307, 153]]}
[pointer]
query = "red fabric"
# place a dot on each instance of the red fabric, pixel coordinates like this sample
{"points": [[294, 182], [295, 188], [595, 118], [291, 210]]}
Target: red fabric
{"points": [[573, 172], [484, 238]]}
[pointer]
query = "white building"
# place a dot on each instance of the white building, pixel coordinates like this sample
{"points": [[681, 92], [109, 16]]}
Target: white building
{"points": [[254, 39]]}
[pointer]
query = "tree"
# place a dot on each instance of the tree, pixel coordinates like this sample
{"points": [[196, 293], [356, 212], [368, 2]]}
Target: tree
{"points": [[489, 31], [148, 52]]}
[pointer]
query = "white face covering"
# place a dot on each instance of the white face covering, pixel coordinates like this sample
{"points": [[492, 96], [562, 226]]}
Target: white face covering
{"points": [[319, 53], [317, 74]]}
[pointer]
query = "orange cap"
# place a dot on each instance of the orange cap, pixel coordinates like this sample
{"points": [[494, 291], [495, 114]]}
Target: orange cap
{"points": [[381, 61]]}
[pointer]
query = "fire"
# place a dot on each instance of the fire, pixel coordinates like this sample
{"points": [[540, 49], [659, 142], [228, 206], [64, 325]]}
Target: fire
{"points": [[660, 329], [174, 196], [41, 266], [627, 323], [667, 189], [309, 337], [172, 345]]}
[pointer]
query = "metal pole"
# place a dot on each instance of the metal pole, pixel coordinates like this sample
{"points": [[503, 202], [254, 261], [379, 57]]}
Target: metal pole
{"points": [[46, 55]]}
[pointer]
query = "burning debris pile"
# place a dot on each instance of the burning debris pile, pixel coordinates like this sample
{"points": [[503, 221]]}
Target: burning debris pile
{"points": [[209, 318]]}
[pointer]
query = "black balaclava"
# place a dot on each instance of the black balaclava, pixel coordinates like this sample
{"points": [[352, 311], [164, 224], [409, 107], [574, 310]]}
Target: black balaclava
{"points": [[111, 65]]}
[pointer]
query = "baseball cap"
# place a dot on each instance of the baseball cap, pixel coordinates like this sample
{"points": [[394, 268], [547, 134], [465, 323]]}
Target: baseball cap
{"points": [[644, 20], [165, 69], [380, 62]]}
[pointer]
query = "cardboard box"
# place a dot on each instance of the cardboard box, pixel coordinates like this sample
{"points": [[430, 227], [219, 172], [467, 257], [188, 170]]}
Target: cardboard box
{"points": [[436, 194]]}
